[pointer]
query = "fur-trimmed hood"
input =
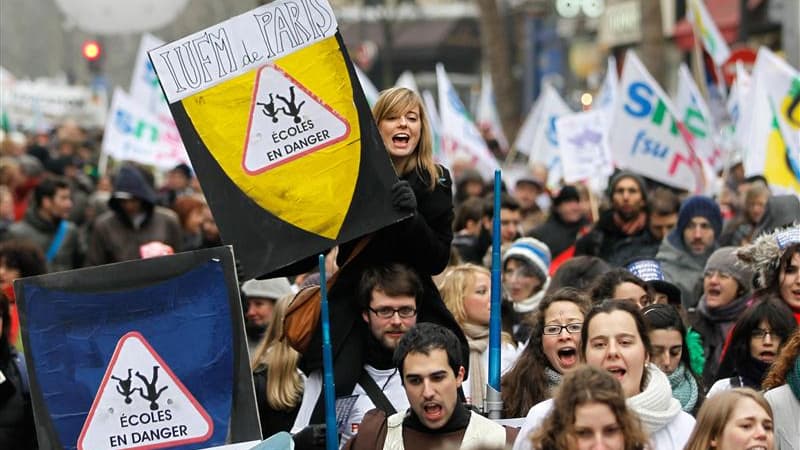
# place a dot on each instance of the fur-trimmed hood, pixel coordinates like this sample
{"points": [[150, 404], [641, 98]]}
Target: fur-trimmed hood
{"points": [[763, 256]]}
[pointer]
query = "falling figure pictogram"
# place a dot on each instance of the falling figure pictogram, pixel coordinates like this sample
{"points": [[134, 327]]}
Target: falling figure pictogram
{"points": [[124, 387], [270, 110], [152, 393], [292, 109]]}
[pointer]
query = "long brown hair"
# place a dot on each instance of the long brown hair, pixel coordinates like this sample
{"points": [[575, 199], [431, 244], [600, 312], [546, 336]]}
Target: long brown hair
{"points": [[715, 413], [284, 383], [398, 100], [783, 363], [587, 384], [525, 384]]}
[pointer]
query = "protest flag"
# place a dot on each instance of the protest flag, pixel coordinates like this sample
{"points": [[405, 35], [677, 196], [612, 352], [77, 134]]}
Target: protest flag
{"points": [[108, 360], [545, 141], [694, 113], [608, 90], [771, 140], [524, 141], [286, 150], [435, 122], [487, 115], [647, 136], [144, 83], [407, 80], [460, 135], [709, 35], [370, 91]]}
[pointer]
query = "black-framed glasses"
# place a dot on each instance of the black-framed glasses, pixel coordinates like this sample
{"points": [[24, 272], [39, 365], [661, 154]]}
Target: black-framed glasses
{"points": [[760, 333], [571, 328], [405, 312]]}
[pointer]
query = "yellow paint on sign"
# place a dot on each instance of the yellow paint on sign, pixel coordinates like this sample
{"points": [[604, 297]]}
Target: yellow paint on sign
{"points": [[312, 192]]}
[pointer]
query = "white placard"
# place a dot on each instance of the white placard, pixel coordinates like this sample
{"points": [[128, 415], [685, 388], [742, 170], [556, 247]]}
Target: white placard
{"points": [[239, 44], [584, 146]]}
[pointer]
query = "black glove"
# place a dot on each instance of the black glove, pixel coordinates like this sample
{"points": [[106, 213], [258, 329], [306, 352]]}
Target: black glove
{"points": [[310, 438], [403, 198]]}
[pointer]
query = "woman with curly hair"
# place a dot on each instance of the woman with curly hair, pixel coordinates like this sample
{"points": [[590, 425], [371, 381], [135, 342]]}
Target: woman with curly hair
{"points": [[466, 291], [782, 384], [590, 412], [552, 351], [738, 419]]}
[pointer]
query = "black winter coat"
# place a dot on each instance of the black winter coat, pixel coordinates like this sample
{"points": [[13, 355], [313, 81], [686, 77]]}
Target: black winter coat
{"points": [[423, 243], [609, 243]]}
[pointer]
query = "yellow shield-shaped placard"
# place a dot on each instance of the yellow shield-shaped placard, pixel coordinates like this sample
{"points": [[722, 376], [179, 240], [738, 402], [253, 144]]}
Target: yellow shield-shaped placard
{"points": [[279, 132]]}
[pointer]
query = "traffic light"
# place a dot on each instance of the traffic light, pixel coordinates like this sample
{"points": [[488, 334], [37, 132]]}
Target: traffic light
{"points": [[92, 52]]}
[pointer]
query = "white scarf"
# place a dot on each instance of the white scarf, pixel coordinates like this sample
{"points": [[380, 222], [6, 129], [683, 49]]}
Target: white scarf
{"points": [[530, 303], [655, 405]]}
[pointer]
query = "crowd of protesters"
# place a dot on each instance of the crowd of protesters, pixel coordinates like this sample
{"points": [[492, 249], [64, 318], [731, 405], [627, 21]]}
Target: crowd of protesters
{"points": [[641, 317]]}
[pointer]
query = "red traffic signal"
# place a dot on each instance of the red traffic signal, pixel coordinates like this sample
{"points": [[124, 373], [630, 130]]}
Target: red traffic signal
{"points": [[91, 50]]}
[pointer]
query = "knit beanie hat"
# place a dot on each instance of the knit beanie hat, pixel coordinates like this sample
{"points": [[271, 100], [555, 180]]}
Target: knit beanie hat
{"points": [[273, 288], [724, 259], [621, 175], [566, 194], [702, 206], [533, 252]]}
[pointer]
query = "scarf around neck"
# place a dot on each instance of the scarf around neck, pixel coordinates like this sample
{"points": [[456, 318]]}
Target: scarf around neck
{"points": [[725, 313], [630, 227], [478, 340], [553, 379], [530, 303], [684, 387], [655, 405]]}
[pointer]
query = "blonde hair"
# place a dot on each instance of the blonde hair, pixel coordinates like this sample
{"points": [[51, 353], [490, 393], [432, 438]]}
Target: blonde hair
{"points": [[457, 282], [284, 383], [455, 285], [715, 414], [398, 100]]}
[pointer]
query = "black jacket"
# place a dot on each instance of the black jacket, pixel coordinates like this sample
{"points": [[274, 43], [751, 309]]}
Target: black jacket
{"points": [[609, 243], [423, 243], [557, 234]]}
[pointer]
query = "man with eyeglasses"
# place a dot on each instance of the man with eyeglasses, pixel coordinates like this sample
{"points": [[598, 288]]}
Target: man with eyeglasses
{"points": [[388, 297]]}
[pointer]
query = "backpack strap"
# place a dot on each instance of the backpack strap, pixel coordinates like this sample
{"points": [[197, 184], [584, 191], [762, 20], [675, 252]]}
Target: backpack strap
{"points": [[58, 239], [375, 393]]}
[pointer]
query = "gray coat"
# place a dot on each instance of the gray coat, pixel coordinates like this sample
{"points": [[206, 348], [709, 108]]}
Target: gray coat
{"points": [[41, 232], [786, 413], [683, 270]]}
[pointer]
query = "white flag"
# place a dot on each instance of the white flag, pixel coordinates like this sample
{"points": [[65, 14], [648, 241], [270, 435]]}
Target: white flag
{"points": [[133, 133], [583, 142], [144, 83], [407, 80], [435, 122], [608, 91], [527, 132], [370, 91], [770, 141], [488, 117], [545, 141], [694, 113], [647, 136], [712, 39], [460, 135]]}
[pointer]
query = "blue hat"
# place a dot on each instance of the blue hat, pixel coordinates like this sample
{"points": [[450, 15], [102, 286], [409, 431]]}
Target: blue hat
{"points": [[699, 206], [649, 271]]}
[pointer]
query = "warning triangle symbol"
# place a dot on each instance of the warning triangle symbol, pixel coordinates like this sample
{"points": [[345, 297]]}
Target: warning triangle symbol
{"points": [[286, 122], [142, 404]]}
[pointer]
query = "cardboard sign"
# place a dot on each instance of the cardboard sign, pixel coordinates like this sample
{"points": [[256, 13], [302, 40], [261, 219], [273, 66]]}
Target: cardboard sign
{"points": [[109, 361], [584, 146], [647, 135], [287, 151], [135, 408]]}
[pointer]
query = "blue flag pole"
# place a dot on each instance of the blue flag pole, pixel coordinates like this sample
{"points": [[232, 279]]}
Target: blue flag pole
{"points": [[331, 435], [493, 401]]}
